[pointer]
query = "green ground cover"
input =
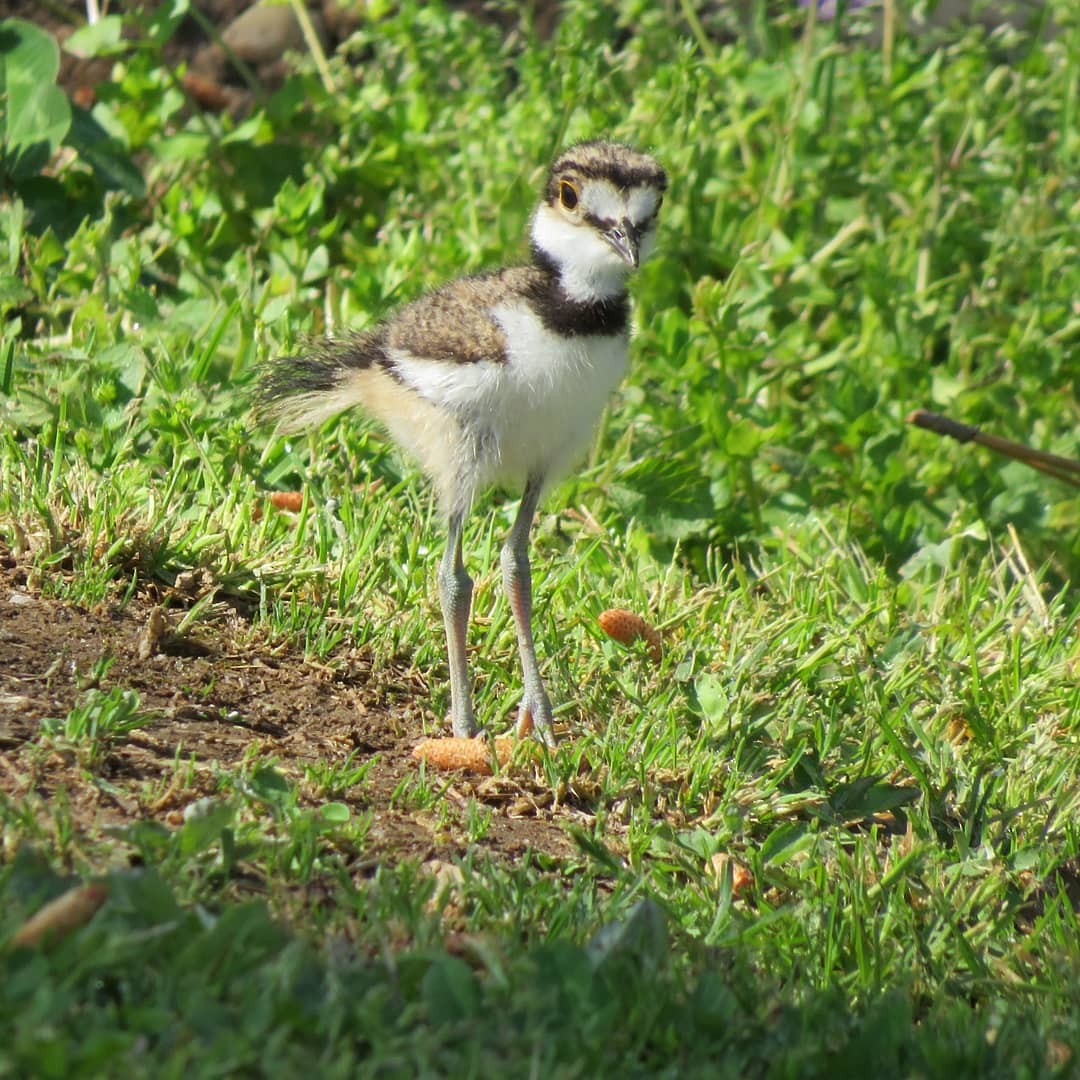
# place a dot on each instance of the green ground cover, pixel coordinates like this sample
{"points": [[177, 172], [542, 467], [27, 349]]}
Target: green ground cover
{"points": [[870, 689]]}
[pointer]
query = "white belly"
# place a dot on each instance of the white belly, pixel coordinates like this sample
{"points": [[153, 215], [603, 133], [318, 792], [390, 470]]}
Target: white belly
{"points": [[533, 414], [547, 397]]}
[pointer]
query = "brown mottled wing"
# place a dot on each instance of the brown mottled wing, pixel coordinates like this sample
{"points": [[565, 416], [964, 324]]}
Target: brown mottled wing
{"points": [[454, 324]]}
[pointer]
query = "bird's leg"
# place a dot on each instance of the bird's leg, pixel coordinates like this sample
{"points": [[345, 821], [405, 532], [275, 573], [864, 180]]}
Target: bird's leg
{"points": [[455, 593], [517, 581]]}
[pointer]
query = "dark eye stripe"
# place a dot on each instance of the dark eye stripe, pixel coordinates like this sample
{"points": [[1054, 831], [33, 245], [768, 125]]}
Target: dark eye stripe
{"points": [[601, 224]]}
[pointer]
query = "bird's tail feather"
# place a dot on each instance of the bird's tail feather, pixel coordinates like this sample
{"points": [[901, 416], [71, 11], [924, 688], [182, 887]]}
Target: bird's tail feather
{"points": [[300, 392]]}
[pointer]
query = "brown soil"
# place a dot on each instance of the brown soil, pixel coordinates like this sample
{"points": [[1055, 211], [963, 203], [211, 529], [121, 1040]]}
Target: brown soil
{"points": [[215, 701], [217, 87]]}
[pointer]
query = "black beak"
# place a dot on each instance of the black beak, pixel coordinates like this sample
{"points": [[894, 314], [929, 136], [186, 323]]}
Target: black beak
{"points": [[626, 240]]}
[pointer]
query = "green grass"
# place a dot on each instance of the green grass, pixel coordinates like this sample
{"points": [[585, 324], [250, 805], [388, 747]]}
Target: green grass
{"points": [[869, 692]]}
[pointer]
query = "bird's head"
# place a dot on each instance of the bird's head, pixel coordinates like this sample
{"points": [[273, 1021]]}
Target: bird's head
{"points": [[597, 220]]}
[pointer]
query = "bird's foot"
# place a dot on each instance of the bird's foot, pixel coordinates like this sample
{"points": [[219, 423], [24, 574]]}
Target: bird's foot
{"points": [[535, 718]]}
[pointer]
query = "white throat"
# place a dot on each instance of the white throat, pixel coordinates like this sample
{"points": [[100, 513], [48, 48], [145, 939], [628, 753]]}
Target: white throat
{"points": [[590, 270]]}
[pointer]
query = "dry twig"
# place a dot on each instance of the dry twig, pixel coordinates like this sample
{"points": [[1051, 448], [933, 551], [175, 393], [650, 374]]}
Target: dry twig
{"points": [[1061, 468]]}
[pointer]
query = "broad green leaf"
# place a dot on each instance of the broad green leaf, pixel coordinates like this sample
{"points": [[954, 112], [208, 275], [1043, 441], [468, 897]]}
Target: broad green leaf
{"points": [[101, 38], [104, 154], [335, 813], [743, 439], [203, 829], [269, 785], [711, 696], [34, 112], [785, 842], [867, 796]]}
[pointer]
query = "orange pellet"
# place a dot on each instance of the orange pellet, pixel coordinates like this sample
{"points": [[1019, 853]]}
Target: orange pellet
{"points": [[741, 878], [469, 755], [626, 627], [287, 500], [59, 917]]}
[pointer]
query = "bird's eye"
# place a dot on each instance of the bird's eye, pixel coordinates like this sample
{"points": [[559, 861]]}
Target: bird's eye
{"points": [[567, 194]]}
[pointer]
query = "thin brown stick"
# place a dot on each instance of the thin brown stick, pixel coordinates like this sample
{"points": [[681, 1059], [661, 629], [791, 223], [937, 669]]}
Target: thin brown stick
{"points": [[1061, 468]]}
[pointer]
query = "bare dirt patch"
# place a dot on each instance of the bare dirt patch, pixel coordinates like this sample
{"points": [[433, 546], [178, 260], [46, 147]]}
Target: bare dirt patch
{"points": [[216, 700]]}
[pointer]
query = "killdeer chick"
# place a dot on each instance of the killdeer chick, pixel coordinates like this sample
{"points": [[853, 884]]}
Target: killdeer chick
{"points": [[499, 378]]}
